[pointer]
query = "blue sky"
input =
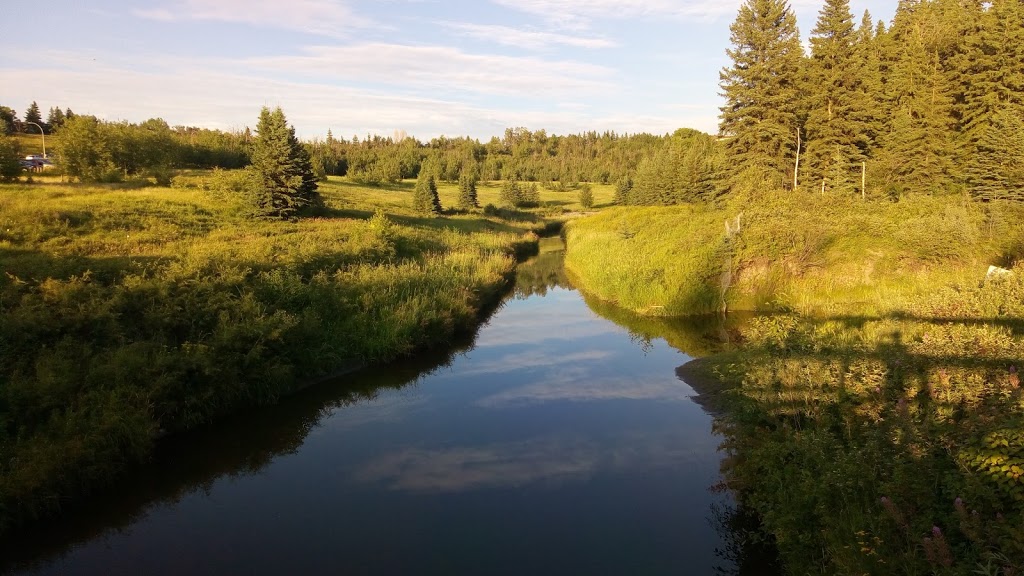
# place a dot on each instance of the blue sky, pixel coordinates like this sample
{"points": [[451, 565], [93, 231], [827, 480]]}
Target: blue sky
{"points": [[427, 67]]}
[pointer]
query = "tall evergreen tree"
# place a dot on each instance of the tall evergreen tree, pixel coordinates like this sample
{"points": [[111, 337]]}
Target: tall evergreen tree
{"points": [[284, 182], [836, 140], [425, 199], [34, 116], [761, 90], [54, 120], [467, 189], [997, 169], [990, 76], [918, 148]]}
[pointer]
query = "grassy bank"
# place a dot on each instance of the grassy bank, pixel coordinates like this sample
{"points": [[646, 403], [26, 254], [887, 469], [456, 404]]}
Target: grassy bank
{"points": [[805, 253], [130, 312], [888, 444]]}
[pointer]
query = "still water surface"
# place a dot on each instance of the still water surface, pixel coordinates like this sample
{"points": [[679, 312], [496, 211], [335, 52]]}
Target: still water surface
{"points": [[557, 441]]}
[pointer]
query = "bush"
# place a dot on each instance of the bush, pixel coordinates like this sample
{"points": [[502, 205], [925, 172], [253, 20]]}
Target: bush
{"points": [[586, 196], [10, 169]]}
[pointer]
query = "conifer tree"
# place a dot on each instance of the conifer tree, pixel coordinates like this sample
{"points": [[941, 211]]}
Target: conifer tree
{"points": [[283, 179], [54, 120], [467, 190], [835, 138], [586, 196], [425, 199], [622, 190], [761, 90], [997, 169], [33, 114], [919, 145], [990, 77]]}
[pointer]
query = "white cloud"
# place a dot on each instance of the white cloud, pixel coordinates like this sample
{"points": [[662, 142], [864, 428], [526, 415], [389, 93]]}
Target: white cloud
{"points": [[528, 39], [578, 14], [578, 384], [442, 68], [326, 17]]}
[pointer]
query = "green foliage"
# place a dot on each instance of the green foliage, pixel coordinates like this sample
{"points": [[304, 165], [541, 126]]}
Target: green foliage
{"points": [[997, 169], [424, 198], [283, 176], [834, 125], [10, 169], [33, 115], [622, 189], [761, 90], [803, 252], [586, 196], [8, 118], [687, 169], [467, 191], [84, 150], [872, 442]]}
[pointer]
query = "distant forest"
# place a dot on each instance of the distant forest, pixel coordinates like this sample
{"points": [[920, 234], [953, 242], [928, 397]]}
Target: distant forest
{"points": [[931, 104]]}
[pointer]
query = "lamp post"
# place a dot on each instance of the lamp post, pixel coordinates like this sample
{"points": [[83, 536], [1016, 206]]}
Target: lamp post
{"points": [[41, 133]]}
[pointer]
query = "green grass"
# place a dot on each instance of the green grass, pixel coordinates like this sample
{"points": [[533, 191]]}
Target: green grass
{"points": [[810, 254], [131, 311], [889, 444]]}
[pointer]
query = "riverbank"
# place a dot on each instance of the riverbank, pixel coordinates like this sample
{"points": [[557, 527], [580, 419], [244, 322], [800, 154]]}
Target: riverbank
{"points": [[134, 312], [873, 415], [789, 252]]}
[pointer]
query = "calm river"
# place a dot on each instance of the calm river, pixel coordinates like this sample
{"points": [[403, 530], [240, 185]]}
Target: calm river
{"points": [[556, 441]]}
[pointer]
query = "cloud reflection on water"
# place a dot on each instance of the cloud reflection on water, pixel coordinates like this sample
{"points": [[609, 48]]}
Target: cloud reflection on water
{"points": [[516, 464]]}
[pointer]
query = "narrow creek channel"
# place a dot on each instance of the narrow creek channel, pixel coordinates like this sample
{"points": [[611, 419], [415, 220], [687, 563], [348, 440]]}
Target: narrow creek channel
{"points": [[556, 441]]}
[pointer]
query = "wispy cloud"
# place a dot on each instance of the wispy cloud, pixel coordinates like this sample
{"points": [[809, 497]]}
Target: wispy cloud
{"points": [[442, 68], [578, 14], [527, 39], [324, 17], [536, 460]]}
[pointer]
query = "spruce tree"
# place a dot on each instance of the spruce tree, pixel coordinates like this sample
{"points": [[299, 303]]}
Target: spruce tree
{"points": [[918, 148], [761, 90], [33, 114], [990, 78], [467, 190], [997, 169], [54, 120], [284, 182], [622, 190], [425, 199], [835, 137], [586, 196]]}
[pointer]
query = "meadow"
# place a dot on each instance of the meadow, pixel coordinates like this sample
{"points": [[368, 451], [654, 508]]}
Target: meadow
{"points": [[132, 311]]}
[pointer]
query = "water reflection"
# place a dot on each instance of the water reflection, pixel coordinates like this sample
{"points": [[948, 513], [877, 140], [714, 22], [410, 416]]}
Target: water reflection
{"points": [[552, 444]]}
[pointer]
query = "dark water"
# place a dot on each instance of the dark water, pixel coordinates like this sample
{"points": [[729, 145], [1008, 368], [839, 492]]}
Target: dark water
{"points": [[557, 441]]}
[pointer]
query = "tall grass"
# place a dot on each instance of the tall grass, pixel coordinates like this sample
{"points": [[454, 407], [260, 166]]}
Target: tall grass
{"points": [[886, 444], [793, 252], [129, 313]]}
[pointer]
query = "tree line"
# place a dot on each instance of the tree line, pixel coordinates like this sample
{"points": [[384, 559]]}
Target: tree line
{"points": [[934, 103]]}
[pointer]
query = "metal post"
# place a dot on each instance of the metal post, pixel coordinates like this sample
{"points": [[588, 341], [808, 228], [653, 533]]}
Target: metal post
{"points": [[41, 133]]}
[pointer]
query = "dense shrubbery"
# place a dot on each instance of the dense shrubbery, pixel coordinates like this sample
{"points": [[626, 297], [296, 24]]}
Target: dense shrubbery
{"points": [[130, 313]]}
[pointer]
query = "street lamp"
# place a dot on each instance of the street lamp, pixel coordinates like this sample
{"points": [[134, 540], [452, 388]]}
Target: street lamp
{"points": [[41, 133]]}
